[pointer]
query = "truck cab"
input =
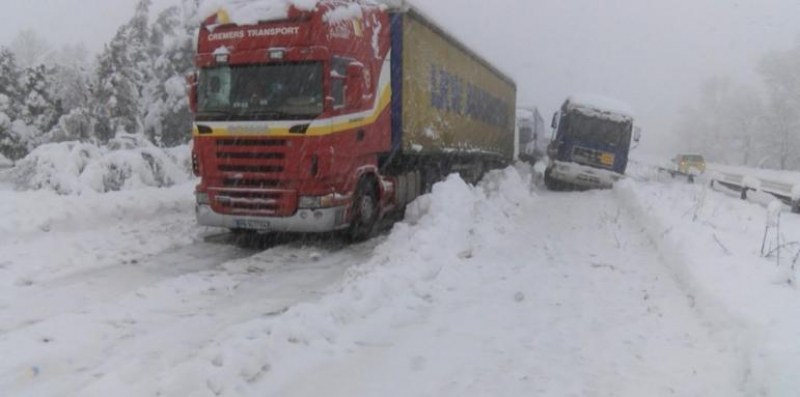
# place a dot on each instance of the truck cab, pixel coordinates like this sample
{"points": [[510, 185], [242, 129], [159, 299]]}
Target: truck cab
{"points": [[532, 138], [591, 141]]}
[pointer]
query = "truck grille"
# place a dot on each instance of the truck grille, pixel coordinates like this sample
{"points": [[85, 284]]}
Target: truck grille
{"points": [[255, 202], [255, 162], [592, 157], [250, 171]]}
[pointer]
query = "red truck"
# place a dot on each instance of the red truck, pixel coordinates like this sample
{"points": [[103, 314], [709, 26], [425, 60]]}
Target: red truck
{"points": [[329, 118]]}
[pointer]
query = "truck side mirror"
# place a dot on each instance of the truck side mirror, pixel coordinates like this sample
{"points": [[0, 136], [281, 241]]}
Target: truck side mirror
{"points": [[354, 96], [191, 88], [637, 134], [554, 123]]}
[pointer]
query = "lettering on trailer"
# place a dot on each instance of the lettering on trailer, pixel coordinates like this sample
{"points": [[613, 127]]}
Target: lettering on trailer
{"points": [[453, 94], [250, 33]]}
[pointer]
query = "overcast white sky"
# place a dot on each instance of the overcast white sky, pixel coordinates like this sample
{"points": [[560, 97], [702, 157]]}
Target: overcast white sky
{"points": [[652, 54]]}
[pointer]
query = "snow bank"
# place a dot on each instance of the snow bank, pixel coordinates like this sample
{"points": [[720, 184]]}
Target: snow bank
{"points": [[787, 177], [751, 182], [796, 193], [128, 162], [711, 243], [420, 260]]}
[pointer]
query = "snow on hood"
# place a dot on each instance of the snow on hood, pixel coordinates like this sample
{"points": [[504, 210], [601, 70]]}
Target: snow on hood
{"points": [[601, 104]]}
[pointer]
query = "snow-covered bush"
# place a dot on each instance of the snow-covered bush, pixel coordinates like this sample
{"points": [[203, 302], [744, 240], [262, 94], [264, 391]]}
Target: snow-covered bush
{"points": [[54, 166], [127, 162], [5, 162], [75, 125]]}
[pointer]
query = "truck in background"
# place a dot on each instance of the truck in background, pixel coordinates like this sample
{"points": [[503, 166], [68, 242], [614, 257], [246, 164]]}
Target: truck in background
{"points": [[590, 145], [328, 119], [532, 136]]}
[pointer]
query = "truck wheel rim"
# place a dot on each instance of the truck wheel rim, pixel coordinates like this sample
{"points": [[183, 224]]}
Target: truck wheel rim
{"points": [[366, 209]]}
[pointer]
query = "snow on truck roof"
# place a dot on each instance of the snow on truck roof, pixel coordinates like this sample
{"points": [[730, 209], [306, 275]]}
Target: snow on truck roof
{"points": [[248, 12], [600, 104]]}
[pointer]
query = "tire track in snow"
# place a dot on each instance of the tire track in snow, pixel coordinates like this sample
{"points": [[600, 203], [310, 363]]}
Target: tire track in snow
{"points": [[571, 299], [129, 317], [727, 327]]}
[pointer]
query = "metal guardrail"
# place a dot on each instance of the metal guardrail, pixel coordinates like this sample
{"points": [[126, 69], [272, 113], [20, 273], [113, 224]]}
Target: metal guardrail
{"points": [[746, 183]]}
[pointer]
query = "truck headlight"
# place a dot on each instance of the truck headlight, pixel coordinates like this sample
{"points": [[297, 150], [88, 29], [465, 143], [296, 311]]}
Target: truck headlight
{"points": [[315, 202], [309, 202]]}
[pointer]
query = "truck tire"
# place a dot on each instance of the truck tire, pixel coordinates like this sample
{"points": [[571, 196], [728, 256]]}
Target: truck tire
{"points": [[551, 183], [431, 175], [365, 211]]}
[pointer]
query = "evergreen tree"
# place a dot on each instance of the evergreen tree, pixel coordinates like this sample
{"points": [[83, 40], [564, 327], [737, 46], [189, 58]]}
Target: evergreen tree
{"points": [[12, 144], [781, 74], [122, 71], [39, 107], [9, 82], [72, 77], [167, 119]]}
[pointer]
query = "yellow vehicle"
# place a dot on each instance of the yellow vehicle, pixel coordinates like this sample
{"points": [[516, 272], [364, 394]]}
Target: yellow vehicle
{"points": [[690, 164]]}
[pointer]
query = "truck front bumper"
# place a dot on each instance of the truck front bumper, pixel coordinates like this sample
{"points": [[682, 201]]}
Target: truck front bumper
{"points": [[304, 221], [584, 176]]}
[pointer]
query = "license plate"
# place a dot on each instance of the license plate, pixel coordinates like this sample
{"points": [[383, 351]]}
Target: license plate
{"points": [[607, 159], [252, 224]]}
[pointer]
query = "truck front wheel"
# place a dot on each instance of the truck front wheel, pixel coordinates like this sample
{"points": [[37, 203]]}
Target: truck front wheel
{"points": [[365, 211], [549, 182]]}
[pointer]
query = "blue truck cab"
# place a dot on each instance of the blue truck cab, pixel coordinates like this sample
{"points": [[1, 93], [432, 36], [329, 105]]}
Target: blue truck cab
{"points": [[592, 137]]}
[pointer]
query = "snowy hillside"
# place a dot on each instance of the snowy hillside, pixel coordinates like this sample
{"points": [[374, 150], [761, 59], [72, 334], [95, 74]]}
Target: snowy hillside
{"points": [[654, 288]]}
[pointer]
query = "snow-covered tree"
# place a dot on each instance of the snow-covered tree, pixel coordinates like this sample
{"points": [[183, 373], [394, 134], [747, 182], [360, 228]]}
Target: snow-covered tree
{"points": [[40, 109], [122, 71], [72, 76], [167, 117], [781, 74], [30, 49], [12, 145], [136, 86], [727, 123], [10, 74]]}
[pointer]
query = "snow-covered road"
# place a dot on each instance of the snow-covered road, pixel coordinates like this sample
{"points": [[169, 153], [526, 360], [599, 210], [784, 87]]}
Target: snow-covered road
{"points": [[571, 301], [499, 289], [129, 293]]}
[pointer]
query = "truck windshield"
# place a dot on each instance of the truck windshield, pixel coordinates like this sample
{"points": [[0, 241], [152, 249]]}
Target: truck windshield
{"points": [[260, 92], [597, 130]]}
